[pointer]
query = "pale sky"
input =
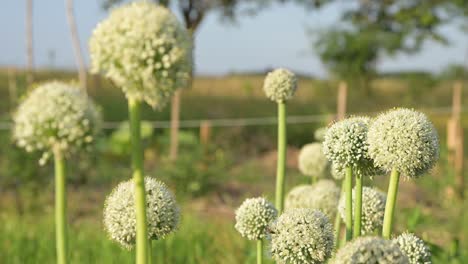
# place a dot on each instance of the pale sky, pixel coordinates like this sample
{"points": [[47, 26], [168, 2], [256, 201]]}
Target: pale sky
{"points": [[275, 37]]}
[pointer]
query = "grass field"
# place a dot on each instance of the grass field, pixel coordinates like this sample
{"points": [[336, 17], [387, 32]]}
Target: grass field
{"points": [[211, 181]]}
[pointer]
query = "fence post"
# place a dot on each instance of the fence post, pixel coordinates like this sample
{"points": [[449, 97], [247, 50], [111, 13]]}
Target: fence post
{"points": [[175, 115], [455, 139], [205, 132], [341, 100], [12, 87], [459, 163]]}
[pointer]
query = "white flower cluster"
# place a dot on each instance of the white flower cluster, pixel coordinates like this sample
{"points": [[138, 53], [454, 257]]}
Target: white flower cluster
{"points": [[280, 85], [302, 236], [319, 134], [56, 116], [373, 209], [143, 49], [414, 248], [298, 197], [323, 196], [370, 250], [337, 172], [404, 140], [345, 145], [120, 217], [312, 161], [254, 216]]}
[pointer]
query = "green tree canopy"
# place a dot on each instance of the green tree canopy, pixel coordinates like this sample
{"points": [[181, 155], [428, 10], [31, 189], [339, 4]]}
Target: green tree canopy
{"points": [[370, 29]]}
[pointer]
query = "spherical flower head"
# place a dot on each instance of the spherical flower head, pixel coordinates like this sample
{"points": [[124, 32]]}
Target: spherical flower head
{"points": [[143, 49], [345, 145], [414, 248], [298, 197], [312, 161], [370, 250], [323, 196], [56, 116], [373, 209], [280, 85], [405, 140], [120, 217], [319, 134], [254, 216], [301, 236]]}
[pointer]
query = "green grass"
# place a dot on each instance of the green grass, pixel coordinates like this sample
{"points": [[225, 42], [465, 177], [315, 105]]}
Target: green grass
{"points": [[30, 240]]}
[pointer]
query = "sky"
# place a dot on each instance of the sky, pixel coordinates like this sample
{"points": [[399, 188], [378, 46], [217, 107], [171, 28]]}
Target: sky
{"points": [[276, 37]]}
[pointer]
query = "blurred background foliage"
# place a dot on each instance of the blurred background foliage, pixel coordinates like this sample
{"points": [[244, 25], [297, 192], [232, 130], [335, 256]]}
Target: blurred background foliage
{"points": [[211, 177]]}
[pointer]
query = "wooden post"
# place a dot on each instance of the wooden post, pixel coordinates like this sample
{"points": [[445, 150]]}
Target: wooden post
{"points": [[455, 139], [29, 42], [451, 139], [175, 113], [205, 132], [76, 44], [456, 99], [341, 100], [12, 87], [458, 164]]}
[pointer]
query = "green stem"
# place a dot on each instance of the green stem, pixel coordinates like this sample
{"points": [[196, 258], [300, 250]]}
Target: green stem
{"points": [[150, 251], [357, 207], [134, 107], [390, 204], [60, 207], [313, 180], [259, 251], [280, 170], [338, 221], [349, 203]]}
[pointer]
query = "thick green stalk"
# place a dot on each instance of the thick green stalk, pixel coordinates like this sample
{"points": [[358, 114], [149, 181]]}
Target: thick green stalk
{"points": [[138, 179], [60, 207], [259, 251], [281, 163], [349, 203], [337, 226], [357, 207], [390, 204], [150, 251]]}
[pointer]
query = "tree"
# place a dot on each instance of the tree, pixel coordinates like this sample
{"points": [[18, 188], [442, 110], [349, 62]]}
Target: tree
{"points": [[76, 44], [372, 29]]}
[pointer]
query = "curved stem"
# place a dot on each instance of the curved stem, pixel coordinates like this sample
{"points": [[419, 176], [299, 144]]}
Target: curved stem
{"points": [[349, 202], [281, 163], [138, 179], [357, 207], [259, 251], [337, 225], [60, 207], [390, 203]]}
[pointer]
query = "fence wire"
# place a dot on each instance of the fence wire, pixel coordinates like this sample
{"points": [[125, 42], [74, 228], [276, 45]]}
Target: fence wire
{"points": [[255, 121]]}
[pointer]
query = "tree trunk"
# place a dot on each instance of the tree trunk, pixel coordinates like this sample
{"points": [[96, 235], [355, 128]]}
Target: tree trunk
{"points": [[76, 44], [29, 42]]}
